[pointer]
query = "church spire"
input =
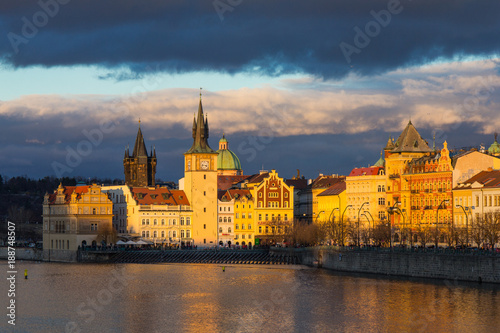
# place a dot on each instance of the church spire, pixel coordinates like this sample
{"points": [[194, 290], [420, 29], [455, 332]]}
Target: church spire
{"points": [[200, 133], [140, 146]]}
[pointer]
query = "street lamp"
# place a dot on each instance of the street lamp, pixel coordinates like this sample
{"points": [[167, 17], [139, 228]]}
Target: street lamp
{"points": [[466, 223], [359, 211], [404, 221], [342, 223], [437, 220], [373, 223], [366, 216], [390, 210], [318, 215], [330, 219]]}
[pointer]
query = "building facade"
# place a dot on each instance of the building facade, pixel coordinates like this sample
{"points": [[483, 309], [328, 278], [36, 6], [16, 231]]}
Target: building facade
{"points": [[75, 216]]}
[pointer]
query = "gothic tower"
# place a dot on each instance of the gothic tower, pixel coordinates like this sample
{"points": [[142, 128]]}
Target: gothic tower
{"points": [[200, 182], [139, 168]]}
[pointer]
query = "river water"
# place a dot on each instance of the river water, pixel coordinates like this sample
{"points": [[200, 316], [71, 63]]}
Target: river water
{"points": [[204, 298]]}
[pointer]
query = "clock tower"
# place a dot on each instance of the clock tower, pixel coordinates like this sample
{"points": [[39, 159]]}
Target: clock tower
{"points": [[200, 183]]}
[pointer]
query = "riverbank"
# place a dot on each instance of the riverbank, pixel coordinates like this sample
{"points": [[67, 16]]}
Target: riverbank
{"points": [[430, 264]]}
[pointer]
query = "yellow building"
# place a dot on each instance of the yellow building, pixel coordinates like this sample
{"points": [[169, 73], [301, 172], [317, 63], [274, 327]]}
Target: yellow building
{"points": [[155, 214], [331, 203], [477, 208], [429, 201], [272, 205], [398, 154], [244, 225], [200, 183], [75, 216], [366, 194]]}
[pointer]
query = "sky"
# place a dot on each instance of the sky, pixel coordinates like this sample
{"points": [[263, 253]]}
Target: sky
{"points": [[315, 86]]}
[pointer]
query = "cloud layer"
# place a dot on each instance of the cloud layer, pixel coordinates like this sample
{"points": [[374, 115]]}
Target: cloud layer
{"points": [[247, 36], [305, 123]]}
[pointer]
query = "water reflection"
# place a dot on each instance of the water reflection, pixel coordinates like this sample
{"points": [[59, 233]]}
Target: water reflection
{"points": [[194, 298]]}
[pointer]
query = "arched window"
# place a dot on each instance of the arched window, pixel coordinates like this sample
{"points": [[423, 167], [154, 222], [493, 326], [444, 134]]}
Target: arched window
{"points": [[229, 229], [220, 230]]}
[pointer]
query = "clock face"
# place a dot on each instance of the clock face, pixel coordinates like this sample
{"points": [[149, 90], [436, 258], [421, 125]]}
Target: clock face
{"points": [[204, 165]]}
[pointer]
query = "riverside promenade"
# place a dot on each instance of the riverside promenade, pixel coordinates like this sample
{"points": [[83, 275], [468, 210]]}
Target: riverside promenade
{"points": [[220, 256]]}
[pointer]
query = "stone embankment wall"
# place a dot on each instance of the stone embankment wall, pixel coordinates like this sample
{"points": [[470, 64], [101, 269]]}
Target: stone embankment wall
{"points": [[464, 267], [23, 253]]}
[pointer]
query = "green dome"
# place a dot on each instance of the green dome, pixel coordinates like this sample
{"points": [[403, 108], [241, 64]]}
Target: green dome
{"points": [[227, 160], [495, 147]]}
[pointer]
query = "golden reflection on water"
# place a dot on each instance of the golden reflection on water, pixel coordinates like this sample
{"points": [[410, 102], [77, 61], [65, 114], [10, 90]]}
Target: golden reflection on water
{"points": [[203, 298]]}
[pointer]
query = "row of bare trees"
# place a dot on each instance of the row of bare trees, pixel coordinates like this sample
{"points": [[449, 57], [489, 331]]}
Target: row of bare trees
{"points": [[481, 232]]}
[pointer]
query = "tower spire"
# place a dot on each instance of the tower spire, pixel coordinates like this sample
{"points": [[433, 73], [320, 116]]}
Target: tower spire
{"points": [[200, 132]]}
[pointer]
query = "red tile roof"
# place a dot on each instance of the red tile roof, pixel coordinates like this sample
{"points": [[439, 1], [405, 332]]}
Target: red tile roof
{"points": [[68, 191], [326, 181], [489, 179], [370, 171], [334, 189], [226, 182], [159, 196], [298, 184]]}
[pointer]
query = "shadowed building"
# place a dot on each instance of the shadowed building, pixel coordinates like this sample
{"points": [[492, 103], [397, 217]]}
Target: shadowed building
{"points": [[139, 168]]}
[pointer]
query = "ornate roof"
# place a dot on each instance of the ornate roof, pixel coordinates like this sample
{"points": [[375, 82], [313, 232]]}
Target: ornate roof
{"points": [[410, 141]]}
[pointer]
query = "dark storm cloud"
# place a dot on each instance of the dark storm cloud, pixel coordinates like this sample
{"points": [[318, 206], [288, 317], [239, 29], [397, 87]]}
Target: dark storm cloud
{"points": [[270, 37]]}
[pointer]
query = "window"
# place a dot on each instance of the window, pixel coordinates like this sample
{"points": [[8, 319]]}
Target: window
{"points": [[381, 201], [243, 236], [237, 215], [225, 219], [243, 226], [267, 217], [188, 233], [162, 221], [174, 233], [155, 234], [220, 219], [143, 234], [155, 222], [260, 230], [249, 215], [229, 229], [243, 215], [228, 219], [147, 221], [220, 230], [163, 234], [204, 210], [286, 217], [260, 217], [183, 234], [204, 226], [188, 221], [174, 221], [143, 221], [182, 221], [204, 176], [249, 226], [237, 226]]}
